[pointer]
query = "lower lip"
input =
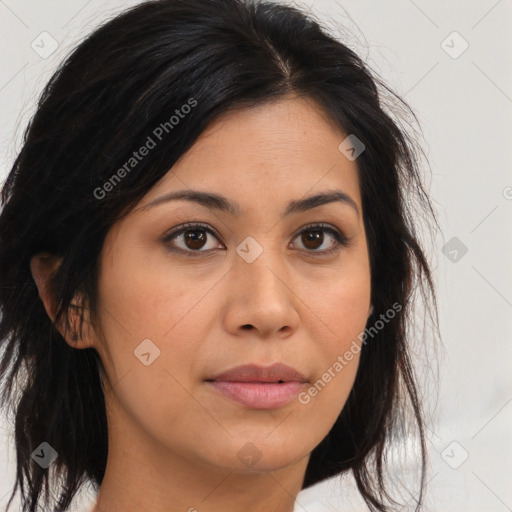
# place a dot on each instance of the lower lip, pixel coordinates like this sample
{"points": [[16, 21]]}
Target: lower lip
{"points": [[259, 395]]}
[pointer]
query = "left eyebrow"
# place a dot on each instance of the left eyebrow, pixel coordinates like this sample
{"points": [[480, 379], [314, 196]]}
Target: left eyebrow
{"points": [[310, 202], [218, 202]]}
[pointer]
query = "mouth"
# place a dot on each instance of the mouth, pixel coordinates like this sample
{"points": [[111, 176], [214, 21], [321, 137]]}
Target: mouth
{"points": [[259, 387]]}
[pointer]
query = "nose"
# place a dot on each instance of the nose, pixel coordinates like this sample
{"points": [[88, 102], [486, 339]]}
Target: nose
{"points": [[261, 298]]}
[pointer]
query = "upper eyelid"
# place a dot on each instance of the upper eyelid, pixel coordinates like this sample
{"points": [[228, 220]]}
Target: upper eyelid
{"points": [[189, 225]]}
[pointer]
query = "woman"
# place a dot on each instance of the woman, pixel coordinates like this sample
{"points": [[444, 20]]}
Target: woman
{"points": [[208, 259]]}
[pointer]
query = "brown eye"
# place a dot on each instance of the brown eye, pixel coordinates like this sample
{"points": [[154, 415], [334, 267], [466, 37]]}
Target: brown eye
{"points": [[313, 237], [190, 239]]}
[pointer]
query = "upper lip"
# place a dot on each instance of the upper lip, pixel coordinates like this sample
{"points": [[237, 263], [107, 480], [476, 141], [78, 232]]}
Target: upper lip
{"points": [[255, 373]]}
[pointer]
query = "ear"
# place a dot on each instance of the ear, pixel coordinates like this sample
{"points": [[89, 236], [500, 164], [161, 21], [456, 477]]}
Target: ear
{"points": [[43, 267]]}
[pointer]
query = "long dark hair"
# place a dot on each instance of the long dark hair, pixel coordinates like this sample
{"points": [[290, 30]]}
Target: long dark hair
{"points": [[104, 101]]}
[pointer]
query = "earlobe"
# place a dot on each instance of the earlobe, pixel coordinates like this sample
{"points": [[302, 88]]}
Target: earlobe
{"points": [[78, 312]]}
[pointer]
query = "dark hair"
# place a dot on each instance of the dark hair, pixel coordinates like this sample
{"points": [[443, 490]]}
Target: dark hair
{"points": [[110, 94]]}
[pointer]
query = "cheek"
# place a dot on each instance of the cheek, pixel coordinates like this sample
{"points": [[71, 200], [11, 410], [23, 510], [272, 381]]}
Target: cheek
{"points": [[147, 297], [143, 299], [156, 305], [336, 357], [340, 305], [340, 316]]}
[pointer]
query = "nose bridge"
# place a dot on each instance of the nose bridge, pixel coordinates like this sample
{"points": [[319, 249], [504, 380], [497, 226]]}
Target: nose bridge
{"points": [[260, 266], [260, 291]]}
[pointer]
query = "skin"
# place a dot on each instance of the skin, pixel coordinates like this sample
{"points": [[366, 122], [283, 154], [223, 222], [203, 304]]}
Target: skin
{"points": [[173, 442]]}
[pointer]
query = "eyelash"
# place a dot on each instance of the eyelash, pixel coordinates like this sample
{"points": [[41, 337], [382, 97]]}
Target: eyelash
{"points": [[341, 239]]}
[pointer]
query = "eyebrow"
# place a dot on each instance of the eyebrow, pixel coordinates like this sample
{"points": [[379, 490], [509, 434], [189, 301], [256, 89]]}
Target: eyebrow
{"points": [[218, 202]]}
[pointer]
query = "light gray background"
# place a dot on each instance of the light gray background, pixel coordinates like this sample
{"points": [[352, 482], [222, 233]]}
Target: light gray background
{"points": [[464, 106]]}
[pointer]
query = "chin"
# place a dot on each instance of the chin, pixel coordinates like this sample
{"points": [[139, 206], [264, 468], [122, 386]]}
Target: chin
{"points": [[261, 455]]}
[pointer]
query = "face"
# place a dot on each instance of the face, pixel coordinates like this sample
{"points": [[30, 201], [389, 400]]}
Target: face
{"points": [[267, 279]]}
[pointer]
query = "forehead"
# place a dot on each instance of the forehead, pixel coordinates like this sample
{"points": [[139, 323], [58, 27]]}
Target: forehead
{"points": [[272, 152]]}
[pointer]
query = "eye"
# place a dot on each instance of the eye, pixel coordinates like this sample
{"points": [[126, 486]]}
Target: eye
{"points": [[192, 238], [312, 237]]}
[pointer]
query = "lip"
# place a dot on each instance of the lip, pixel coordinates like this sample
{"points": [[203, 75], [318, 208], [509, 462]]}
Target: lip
{"points": [[257, 373], [259, 387]]}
